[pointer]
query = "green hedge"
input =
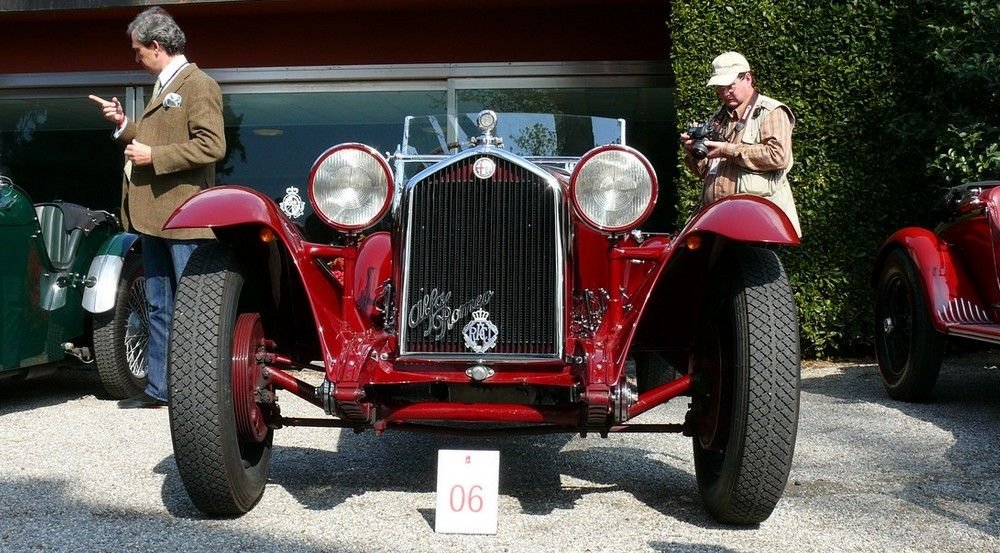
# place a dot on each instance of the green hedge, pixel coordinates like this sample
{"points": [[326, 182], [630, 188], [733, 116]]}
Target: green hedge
{"points": [[885, 118]]}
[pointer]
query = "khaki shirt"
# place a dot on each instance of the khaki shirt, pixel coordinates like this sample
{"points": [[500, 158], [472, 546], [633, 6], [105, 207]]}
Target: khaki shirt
{"points": [[756, 157]]}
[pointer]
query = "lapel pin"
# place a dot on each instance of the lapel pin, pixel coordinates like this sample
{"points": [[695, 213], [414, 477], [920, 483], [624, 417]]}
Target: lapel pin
{"points": [[173, 100]]}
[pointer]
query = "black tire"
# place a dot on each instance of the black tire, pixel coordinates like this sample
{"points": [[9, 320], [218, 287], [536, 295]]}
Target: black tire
{"points": [[908, 347], [121, 335], [746, 403], [652, 370], [223, 470]]}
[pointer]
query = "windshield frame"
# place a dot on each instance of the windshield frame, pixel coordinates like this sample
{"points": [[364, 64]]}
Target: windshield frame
{"points": [[406, 154]]}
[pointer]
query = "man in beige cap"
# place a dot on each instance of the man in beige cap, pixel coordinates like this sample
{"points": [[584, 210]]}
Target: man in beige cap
{"points": [[751, 150]]}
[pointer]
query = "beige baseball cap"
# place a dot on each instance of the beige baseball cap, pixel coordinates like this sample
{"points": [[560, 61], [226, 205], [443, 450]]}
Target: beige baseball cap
{"points": [[726, 67]]}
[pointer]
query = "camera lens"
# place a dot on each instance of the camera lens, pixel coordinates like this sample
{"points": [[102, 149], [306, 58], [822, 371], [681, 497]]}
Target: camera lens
{"points": [[699, 150]]}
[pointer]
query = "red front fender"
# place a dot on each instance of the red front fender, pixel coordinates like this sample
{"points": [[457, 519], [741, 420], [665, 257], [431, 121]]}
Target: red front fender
{"points": [[227, 206], [944, 279], [325, 271], [745, 218], [670, 295]]}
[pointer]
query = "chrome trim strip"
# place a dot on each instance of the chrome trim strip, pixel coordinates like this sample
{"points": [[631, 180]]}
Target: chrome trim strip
{"points": [[460, 75], [35, 6], [974, 336], [480, 150], [497, 360], [434, 158]]}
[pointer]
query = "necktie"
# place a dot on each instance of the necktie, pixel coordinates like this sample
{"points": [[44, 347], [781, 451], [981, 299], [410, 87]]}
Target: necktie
{"points": [[156, 92]]}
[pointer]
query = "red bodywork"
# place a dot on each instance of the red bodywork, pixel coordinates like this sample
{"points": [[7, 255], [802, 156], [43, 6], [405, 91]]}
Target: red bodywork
{"points": [[958, 264], [657, 285]]}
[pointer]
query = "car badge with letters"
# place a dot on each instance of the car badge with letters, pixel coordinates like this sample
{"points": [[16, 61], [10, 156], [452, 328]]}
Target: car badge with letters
{"points": [[480, 333], [292, 204], [484, 167], [435, 311]]}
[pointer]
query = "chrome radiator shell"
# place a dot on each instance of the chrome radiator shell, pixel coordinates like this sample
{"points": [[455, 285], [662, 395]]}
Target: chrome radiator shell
{"points": [[467, 239]]}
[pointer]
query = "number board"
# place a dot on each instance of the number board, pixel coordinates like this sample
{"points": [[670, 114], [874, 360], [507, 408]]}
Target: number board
{"points": [[467, 490]]}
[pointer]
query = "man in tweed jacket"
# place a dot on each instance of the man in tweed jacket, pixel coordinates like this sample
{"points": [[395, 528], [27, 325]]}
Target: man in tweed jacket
{"points": [[170, 154]]}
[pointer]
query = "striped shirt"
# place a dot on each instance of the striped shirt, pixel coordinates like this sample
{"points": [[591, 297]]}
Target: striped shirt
{"points": [[772, 153]]}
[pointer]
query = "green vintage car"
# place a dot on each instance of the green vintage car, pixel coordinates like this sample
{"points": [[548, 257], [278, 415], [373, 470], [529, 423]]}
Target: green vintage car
{"points": [[71, 292]]}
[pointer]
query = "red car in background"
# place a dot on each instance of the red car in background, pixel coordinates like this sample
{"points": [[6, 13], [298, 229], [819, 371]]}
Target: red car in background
{"points": [[932, 284], [489, 276]]}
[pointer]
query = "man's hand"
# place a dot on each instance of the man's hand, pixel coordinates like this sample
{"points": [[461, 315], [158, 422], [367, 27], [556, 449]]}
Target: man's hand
{"points": [[139, 153], [714, 148], [687, 142], [112, 110]]}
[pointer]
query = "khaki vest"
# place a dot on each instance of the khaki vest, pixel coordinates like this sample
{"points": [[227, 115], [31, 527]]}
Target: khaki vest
{"points": [[772, 185]]}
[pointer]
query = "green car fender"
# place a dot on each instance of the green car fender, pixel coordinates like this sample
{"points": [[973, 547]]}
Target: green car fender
{"points": [[105, 271]]}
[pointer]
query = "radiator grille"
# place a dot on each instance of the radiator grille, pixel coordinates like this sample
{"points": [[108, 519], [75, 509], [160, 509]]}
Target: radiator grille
{"points": [[477, 239]]}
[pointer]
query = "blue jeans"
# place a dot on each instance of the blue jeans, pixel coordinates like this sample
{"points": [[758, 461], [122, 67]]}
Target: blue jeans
{"points": [[163, 261]]}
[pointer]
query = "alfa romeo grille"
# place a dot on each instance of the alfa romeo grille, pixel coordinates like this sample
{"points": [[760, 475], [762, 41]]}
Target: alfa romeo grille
{"points": [[482, 250]]}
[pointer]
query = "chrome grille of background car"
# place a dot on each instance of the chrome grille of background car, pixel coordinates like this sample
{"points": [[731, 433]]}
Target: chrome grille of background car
{"points": [[469, 236]]}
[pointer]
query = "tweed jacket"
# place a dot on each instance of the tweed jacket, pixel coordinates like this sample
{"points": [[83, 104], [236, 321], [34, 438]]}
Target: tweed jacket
{"points": [[186, 141]]}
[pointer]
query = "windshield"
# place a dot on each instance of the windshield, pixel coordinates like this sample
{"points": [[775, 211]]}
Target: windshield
{"points": [[525, 134], [540, 137]]}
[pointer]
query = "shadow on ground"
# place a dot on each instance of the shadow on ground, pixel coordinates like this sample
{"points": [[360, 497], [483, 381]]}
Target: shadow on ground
{"points": [[966, 406], [65, 384], [49, 519], [532, 471]]}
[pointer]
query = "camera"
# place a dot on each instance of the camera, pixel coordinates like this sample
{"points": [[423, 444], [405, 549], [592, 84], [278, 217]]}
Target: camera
{"points": [[701, 133]]}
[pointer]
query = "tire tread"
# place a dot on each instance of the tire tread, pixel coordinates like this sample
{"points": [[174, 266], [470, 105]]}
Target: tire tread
{"points": [[197, 395]]}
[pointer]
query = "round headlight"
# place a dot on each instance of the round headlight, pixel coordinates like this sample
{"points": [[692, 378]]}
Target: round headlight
{"points": [[613, 188], [350, 186]]}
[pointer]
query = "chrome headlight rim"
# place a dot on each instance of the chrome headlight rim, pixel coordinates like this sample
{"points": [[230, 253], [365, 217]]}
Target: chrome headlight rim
{"points": [[641, 217], [383, 166]]}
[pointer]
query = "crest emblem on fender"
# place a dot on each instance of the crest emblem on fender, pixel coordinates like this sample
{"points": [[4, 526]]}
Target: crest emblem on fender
{"points": [[292, 204], [480, 333], [484, 167]]}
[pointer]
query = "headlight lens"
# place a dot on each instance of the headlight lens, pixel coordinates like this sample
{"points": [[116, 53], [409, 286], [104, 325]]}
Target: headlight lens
{"points": [[350, 186], [613, 188]]}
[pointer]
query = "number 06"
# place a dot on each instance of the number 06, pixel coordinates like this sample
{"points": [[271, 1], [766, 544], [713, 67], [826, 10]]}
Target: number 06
{"points": [[458, 500]]}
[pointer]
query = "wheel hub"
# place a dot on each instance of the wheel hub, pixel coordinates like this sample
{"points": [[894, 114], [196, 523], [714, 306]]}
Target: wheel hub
{"points": [[709, 403], [888, 325], [247, 378]]}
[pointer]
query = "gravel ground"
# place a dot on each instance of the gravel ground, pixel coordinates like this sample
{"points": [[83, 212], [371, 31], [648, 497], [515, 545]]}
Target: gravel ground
{"points": [[870, 474]]}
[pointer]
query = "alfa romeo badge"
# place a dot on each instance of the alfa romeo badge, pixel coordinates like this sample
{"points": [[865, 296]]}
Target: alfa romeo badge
{"points": [[484, 167]]}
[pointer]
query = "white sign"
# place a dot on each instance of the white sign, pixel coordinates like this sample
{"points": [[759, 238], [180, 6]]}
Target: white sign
{"points": [[467, 490]]}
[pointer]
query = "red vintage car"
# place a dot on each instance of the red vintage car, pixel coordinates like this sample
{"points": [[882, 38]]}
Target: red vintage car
{"points": [[935, 284], [490, 276]]}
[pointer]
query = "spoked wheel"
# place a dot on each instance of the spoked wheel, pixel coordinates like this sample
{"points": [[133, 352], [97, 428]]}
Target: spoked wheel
{"points": [[746, 402], [122, 334], [908, 348], [222, 442]]}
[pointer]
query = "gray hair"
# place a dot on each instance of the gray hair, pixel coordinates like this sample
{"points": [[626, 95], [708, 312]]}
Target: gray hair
{"points": [[156, 24]]}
